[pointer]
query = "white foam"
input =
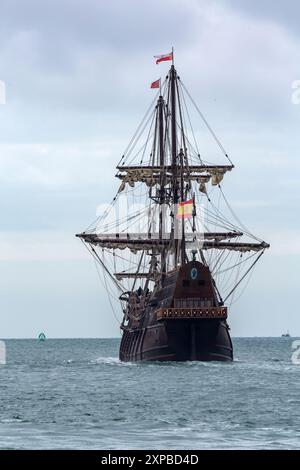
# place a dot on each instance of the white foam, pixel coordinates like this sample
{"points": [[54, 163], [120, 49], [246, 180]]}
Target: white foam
{"points": [[111, 361]]}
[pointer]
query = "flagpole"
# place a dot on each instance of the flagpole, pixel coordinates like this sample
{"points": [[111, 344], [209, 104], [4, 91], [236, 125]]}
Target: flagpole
{"points": [[172, 55]]}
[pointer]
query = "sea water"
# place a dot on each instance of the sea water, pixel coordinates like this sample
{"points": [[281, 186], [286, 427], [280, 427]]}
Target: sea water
{"points": [[76, 394]]}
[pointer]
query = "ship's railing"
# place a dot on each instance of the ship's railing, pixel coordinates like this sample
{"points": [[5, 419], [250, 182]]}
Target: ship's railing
{"points": [[190, 313], [193, 303]]}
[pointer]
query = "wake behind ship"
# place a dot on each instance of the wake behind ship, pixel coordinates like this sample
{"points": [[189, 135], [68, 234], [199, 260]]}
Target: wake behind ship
{"points": [[167, 243]]}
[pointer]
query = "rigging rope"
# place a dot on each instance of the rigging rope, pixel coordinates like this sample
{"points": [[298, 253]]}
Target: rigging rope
{"points": [[236, 217], [206, 123], [109, 295], [246, 273], [93, 251]]}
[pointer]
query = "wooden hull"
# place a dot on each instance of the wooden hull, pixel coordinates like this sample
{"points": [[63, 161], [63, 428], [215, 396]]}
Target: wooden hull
{"points": [[178, 340]]}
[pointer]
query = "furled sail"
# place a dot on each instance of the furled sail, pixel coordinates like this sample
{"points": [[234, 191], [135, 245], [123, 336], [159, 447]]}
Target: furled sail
{"points": [[145, 243], [152, 175]]}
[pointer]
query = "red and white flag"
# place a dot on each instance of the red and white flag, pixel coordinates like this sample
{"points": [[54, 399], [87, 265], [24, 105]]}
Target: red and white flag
{"points": [[155, 84], [162, 58]]}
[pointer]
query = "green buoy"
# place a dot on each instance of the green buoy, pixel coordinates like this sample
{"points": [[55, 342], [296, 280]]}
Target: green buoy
{"points": [[42, 337]]}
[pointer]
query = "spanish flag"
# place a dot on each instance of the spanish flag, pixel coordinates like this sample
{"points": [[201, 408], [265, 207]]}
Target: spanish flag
{"points": [[185, 210]]}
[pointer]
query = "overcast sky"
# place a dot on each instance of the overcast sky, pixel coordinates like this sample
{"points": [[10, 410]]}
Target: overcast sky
{"points": [[77, 76]]}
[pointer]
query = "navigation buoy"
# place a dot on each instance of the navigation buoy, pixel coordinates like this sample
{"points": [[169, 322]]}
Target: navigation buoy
{"points": [[42, 337]]}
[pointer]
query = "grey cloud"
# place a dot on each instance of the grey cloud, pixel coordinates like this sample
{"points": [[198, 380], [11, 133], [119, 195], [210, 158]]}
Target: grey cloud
{"points": [[286, 13]]}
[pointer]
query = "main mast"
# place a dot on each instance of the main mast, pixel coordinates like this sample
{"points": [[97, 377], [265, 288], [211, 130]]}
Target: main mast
{"points": [[177, 233], [177, 166], [161, 129]]}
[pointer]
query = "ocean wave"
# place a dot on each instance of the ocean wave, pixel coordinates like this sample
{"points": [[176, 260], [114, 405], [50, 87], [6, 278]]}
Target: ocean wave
{"points": [[114, 361]]}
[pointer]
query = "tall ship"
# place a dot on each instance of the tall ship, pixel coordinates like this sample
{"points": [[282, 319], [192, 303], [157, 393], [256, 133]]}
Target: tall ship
{"points": [[170, 248]]}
